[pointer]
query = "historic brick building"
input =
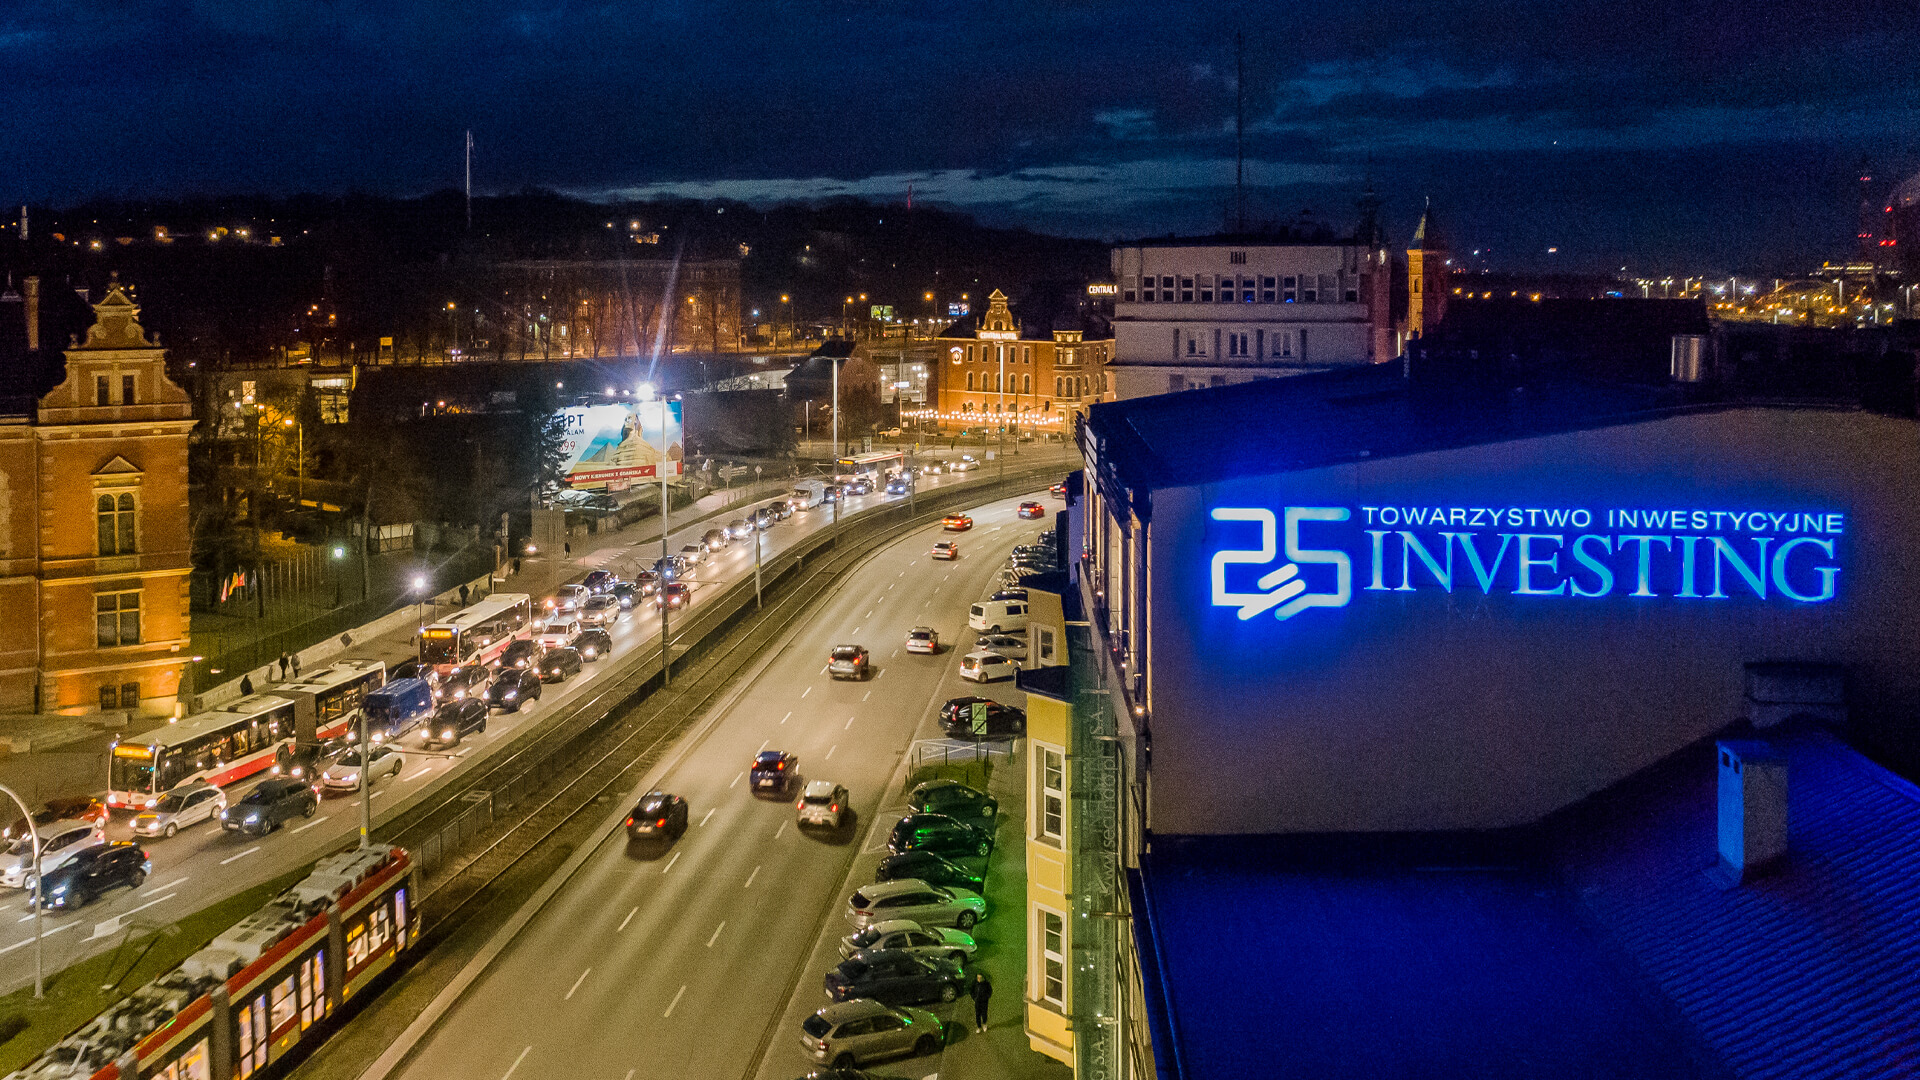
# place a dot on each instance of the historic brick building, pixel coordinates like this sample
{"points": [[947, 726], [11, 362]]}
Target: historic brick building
{"points": [[94, 532], [1053, 363]]}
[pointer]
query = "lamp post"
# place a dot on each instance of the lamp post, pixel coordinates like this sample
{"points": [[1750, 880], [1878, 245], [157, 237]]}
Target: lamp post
{"points": [[756, 547], [366, 796], [1002, 383], [836, 411], [419, 603], [646, 396], [786, 304], [339, 557], [33, 894]]}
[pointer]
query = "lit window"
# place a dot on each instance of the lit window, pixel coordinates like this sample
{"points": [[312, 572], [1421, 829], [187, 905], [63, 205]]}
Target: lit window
{"points": [[1051, 773], [117, 618], [115, 517]]}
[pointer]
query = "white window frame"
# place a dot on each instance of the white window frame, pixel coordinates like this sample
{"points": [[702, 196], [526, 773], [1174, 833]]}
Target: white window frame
{"points": [[1056, 757], [1050, 962]]}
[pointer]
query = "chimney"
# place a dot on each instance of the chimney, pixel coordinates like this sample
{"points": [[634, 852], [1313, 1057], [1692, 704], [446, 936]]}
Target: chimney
{"points": [[1753, 810], [32, 286]]}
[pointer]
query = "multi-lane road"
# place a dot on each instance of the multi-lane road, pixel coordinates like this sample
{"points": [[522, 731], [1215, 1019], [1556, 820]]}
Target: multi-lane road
{"points": [[203, 865], [677, 960]]}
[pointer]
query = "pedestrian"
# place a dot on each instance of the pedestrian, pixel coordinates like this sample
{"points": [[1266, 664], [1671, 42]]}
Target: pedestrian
{"points": [[516, 564], [283, 667], [463, 596], [982, 990], [567, 549], [296, 665], [246, 685]]}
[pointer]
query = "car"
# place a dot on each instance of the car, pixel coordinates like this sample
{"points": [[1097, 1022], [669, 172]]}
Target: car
{"points": [[455, 721], [514, 688], [848, 662], [627, 593], [941, 835], [694, 554], [406, 669], [567, 599], [983, 666], [344, 774], [80, 880], [930, 868], [1008, 645], [832, 493], [763, 519], [979, 718], [656, 815], [715, 539], [1058, 491], [946, 550], [822, 802], [781, 508], [677, 594], [519, 653], [967, 463], [923, 639], [268, 806], [1031, 510], [859, 485], [559, 665], [739, 528], [899, 486], [772, 770], [188, 804], [952, 798], [956, 523], [937, 941], [592, 644], [852, 1032], [558, 632], [895, 977], [1010, 594], [993, 616], [69, 808], [668, 568], [458, 683], [600, 610], [911, 898], [59, 841], [598, 582], [648, 581]]}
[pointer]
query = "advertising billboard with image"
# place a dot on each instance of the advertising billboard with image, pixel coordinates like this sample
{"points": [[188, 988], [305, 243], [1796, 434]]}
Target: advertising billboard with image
{"points": [[614, 445]]}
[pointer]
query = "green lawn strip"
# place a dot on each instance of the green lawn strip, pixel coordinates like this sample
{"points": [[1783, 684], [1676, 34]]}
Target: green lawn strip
{"points": [[83, 990]]}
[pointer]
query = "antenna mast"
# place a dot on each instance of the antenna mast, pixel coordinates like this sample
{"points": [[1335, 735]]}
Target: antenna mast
{"points": [[469, 180], [1239, 134]]}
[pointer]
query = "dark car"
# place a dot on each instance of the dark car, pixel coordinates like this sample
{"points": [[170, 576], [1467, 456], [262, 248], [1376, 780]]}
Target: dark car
{"points": [[952, 798], [928, 867], [627, 593], [773, 770], [559, 665], [898, 486], [514, 688], [715, 539], [895, 977], [455, 721], [268, 806], [92, 871], [666, 569], [979, 718], [939, 834], [677, 594], [781, 509], [1009, 594], [591, 643], [519, 653], [763, 519], [406, 669], [657, 814], [599, 581], [461, 682]]}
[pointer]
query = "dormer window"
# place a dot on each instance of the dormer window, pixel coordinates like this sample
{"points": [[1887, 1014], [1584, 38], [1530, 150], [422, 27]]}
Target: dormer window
{"points": [[102, 391], [126, 389]]}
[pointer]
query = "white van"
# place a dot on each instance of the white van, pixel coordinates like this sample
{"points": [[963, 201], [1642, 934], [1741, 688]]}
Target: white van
{"points": [[996, 615], [807, 494], [559, 631]]}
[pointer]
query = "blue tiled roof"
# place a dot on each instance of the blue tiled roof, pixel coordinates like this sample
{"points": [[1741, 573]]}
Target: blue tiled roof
{"points": [[1810, 971]]}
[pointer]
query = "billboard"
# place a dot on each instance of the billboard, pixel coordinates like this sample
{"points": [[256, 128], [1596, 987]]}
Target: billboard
{"points": [[615, 445]]}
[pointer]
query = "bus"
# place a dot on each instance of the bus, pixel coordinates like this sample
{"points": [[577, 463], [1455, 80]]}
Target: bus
{"points": [[478, 634], [328, 696], [220, 747], [874, 466]]}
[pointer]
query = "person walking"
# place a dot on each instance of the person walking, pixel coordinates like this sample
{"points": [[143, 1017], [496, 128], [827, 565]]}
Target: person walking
{"points": [[463, 596], [246, 685], [296, 665], [982, 991], [283, 667]]}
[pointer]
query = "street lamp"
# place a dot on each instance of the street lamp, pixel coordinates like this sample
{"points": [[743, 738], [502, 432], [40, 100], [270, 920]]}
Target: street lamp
{"points": [[646, 394], [339, 556], [756, 547], [419, 602], [33, 893]]}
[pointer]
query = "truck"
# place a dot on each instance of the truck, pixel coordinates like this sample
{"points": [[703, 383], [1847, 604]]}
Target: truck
{"points": [[808, 494]]}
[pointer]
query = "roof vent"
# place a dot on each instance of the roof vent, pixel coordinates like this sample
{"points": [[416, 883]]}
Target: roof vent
{"points": [[1753, 810], [1689, 363]]}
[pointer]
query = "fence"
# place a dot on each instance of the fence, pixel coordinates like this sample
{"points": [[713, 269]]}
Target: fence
{"points": [[930, 753]]}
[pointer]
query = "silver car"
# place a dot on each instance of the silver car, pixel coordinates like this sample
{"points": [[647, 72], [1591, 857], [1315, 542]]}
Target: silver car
{"points": [[911, 898], [1013, 645], [344, 773], [59, 842], [852, 1033], [932, 942], [823, 802], [179, 808]]}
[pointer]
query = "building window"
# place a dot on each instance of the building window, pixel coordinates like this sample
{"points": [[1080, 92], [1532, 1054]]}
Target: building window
{"points": [[1353, 292], [1051, 770], [1246, 290], [114, 515], [1283, 343], [118, 618], [109, 699], [969, 354], [1206, 290], [1329, 289], [129, 695], [1026, 384], [1166, 288], [1127, 296], [1043, 643], [1236, 258], [969, 380], [1186, 290], [1083, 386], [1026, 354], [126, 389], [1266, 290], [1176, 383], [102, 392], [1052, 951], [1308, 294]]}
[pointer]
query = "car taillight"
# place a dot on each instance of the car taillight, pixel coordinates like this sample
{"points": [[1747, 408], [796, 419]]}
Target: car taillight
{"points": [[835, 808], [799, 804], [782, 766], [629, 820], [662, 823]]}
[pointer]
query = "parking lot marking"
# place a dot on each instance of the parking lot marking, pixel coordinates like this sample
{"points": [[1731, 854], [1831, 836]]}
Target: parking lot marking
{"points": [[708, 814], [628, 919], [670, 1005], [750, 877], [242, 855], [711, 940], [830, 750], [670, 862], [576, 984]]}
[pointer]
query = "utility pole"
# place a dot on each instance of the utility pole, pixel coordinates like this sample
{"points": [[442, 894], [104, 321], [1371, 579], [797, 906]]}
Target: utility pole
{"points": [[366, 800], [756, 548], [33, 894], [836, 411], [1002, 382], [1239, 133], [469, 180]]}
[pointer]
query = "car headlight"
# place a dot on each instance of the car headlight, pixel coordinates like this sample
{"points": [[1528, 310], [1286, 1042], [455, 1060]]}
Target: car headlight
{"points": [[447, 734], [511, 694], [251, 818], [58, 890]]}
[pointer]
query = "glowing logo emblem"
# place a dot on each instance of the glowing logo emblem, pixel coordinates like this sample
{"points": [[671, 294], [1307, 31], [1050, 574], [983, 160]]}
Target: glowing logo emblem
{"points": [[1281, 590]]}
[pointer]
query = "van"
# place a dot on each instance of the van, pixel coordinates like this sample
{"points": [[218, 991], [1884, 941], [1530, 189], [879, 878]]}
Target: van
{"points": [[807, 494], [397, 707], [997, 615]]}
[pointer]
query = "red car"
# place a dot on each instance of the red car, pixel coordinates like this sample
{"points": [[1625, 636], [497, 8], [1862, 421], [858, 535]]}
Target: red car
{"points": [[1032, 510], [956, 523]]}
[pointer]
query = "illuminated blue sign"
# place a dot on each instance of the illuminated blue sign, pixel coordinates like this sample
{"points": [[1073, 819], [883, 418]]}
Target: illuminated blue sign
{"points": [[1304, 556]]}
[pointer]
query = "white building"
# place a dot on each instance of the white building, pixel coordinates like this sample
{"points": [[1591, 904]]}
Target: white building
{"points": [[1211, 311]]}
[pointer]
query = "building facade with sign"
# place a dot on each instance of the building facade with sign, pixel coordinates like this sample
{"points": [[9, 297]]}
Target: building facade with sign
{"points": [[1036, 369], [1431, 657]]}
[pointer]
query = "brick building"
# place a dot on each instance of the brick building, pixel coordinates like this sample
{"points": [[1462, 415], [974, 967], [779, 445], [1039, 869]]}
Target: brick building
{"points": [[1053, 362]]}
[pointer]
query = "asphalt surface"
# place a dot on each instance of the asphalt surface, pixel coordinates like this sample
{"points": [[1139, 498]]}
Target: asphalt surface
{"points": [[674, 960], [203, 864]]}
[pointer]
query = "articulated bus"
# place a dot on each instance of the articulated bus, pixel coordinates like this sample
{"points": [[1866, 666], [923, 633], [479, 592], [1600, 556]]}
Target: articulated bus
{"points": [[478, 634], [272, 983], [874, 466], [238, 739]]}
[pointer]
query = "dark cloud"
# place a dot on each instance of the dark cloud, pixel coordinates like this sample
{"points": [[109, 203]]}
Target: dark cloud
{"points": [[1640, 131]]}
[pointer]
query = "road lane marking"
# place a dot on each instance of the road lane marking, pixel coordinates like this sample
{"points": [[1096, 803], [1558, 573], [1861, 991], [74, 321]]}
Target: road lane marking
{"points": [[516, 1063], [736, 780], [863, 697], [242, 855], [711, 940], [576, 984], [750, 877], [316, 821], [708, 814], [670, 862], [891, 584], [628, 919], [868, 615], [830, 750], [781, 831], [670, 1005], [787, 717], [896, 653], [29, 941], [421, 773], [807, 691], [181, 880], [849, 722], [763, 745], [148, 904]]}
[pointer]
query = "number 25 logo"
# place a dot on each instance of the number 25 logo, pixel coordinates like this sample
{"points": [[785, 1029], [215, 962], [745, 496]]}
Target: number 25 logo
{"points": [[1281, 590]]}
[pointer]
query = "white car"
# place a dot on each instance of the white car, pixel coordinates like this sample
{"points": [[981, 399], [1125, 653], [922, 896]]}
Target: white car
{"points": [[58, 843], [183, 806], [694, 554], [1013, 645], [344, 773], [987, 666], [932, 942], [923, 639], [567, 598], [946, 549], [558, 632], [965, 464], [823, 803]]}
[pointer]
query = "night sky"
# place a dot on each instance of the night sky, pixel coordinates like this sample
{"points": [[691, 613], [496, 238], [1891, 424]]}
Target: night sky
{"points": [[1675, 137]]}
